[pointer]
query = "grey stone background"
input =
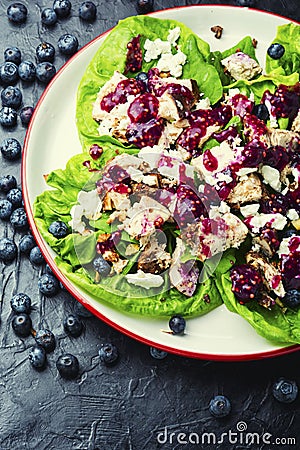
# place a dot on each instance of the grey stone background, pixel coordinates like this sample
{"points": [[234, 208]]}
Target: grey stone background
{"points": [[126, 406]]}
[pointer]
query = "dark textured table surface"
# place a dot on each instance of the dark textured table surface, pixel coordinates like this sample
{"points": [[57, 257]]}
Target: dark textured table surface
{"points": [[128, 405]]}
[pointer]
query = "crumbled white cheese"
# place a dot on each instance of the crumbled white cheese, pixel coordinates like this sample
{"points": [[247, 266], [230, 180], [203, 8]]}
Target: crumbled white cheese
{"points": [[292, 214], [174, 35], [216, 211], [284, 247], [76, 223], [232, 92], [241, 66], [245, 171], [172, 63], [273, 120], [224, 156], [145, 280], [277, 221], [203, 103], [271, 176], [250, 210], [156, 48], [89, 206], [135, 174]]}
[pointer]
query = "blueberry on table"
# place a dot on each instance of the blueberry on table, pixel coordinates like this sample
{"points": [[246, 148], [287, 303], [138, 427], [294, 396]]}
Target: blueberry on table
{"points": [[68, 366], [12, 54], [87, 11], [46, 339], [292, 298], [11, 96], [7, 182], [177, 324], [26, 114], [15, 197], [68, 44], [11, 149], [81, 311], [101, 266], [9, 73], [144, 6], [36, 256], [45, 52], [8, 250], [73, 325], [45, 71], [248, 3], [48, 285], [17, 13], [26, 244], [37, 357], [62, 8], [156, 353], [108, 353], [27, 71], [18, 219], [8, 117], [48, 17], [58, 229], [285, 391], [276, 51], [21, 303], [22, 325], [6, 209], [219, 406]]}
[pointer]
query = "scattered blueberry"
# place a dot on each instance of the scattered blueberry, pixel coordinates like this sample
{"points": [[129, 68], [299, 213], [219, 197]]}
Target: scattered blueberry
{"points": [[68, 366], [261, 111], [17, 13], [143, 77], [144, 6], [11, 149], [156, 353], [177, 324], [276, 51], [101, 266], [81, 311], [9, 73], [45, 71], [8, 250], [292, 298], [6, 209], [285, 391], [62, 8], [88, 11], [48, 285], [7, 182], [26, 114], [12, 54], [58, 229], [15, 197], [45, 52], [68, 44], [220, 406], [27, 71], [48, 269], [18, 219], [22, 325], [21, 303], [249, 3], [48, 17], [36, 256], [73, 325], [108, 354], [11, 96], [37, 357], [8, 117], [26, 244], [46, 339]]}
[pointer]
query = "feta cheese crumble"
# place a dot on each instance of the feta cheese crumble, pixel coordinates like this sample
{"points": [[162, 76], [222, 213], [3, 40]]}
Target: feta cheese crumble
{"points": [[145, 280], [89, 206]]}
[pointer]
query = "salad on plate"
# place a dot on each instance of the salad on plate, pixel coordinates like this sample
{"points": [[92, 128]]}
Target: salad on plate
{"points": [[186, 193]]}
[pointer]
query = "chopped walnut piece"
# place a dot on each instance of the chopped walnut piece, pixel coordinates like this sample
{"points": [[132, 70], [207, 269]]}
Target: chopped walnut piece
{"points": [[218, 30], [254, 42]]}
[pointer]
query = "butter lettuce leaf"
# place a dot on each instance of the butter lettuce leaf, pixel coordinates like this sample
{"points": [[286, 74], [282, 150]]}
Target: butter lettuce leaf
{"points": [[289, 36]]}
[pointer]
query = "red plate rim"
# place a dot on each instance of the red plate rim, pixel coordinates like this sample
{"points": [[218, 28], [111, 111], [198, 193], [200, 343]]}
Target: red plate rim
{"points": [[68, 285]]}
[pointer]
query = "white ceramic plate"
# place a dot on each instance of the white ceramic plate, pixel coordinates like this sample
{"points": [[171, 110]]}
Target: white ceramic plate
{"points": [[52, 139]]}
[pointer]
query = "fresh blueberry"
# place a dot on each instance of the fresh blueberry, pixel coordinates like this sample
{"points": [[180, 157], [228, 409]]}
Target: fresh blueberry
{"points": [[8, 117], [26, 114], [17, 13], [73, 325], [156, 353], [88, 11], [292, 298], [45, 52], [11, 149], [68, 44], [177, 324], [18, 219], [48, 17], [8, 250], [261, 111], [81, 311], [48, 269], [37, 357], [15, 197], [58, 229], [108, 354], [46, 339], [143, 77], [12, 54], [27, 71], [21, 303], [247, 3], [36, 256], [220, 406], [144, 6], [11, 96], [48, 285], [276, 51], [9, 73], [62, 8], [289, 233], [68, 366], [285, 391], [101, 266], [26, 244], [45, 71], [7, 182], [22, 325], [6, 209]]}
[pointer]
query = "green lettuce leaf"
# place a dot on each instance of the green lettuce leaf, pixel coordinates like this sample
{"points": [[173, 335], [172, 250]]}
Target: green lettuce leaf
{"points": [[289, 36]]}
